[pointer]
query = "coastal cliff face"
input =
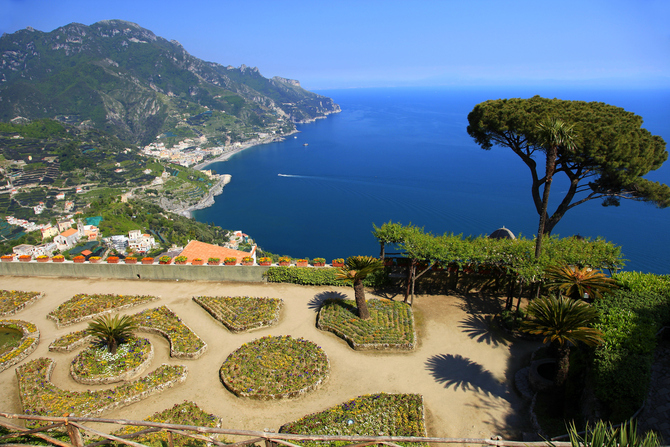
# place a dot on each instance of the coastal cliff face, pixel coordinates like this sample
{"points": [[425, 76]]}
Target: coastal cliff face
{"points": [[122, 78]]}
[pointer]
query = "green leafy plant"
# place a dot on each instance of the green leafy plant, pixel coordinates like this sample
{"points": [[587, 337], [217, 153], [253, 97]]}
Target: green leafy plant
{"points": [[165, 259], [318, 261], [213, 260], [111, 331], [247, 259], [96, 362], [355, 270], [264, 260], [284, 260], [180, 259], [575, 282], [241, 313], [230, 260], [603, 434]]}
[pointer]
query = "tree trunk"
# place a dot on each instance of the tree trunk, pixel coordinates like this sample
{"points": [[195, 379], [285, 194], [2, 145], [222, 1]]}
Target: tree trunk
{"points": [[563, 364], [382, 254], [551, 166], [112, 346], [361, 304]]}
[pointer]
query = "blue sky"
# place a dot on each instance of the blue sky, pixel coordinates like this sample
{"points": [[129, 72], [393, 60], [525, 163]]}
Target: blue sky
{"points": [[342, 44]]}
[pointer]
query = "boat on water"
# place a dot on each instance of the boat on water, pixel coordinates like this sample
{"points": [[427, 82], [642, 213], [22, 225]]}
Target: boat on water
{"points": [[305, 144]]}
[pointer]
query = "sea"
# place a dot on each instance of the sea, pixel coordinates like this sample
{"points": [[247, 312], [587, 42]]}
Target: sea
{"points": [[404, 155]]}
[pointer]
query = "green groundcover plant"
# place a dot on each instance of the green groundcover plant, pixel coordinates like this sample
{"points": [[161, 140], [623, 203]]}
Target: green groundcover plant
{"points": [[275, 367], [369, 415], [317, 277], [97, 362], [182, 339], [64, 342], [40, 396], [185, 413], [241, 313], [11, 300], [391, 324], [82, 306]]}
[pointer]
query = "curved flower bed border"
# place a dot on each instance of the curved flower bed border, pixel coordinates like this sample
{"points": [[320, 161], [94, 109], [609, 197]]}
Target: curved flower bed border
{"points": [[101, 304], [346, 326], [29, 342], [166, 323], [39, 396], [231, 367], [20, 303], [122, 376], [71, 341], [253, 313]]}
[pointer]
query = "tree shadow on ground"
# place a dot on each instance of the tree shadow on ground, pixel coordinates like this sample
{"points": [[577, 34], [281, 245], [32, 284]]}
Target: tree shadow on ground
{"points": [[483, 329], [481, 303], [463, 373], [316, 303]]}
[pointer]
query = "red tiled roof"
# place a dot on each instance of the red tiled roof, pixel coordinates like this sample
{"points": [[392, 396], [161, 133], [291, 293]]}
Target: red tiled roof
{"points": [[197, 249], [86, 252], [69, 232]]}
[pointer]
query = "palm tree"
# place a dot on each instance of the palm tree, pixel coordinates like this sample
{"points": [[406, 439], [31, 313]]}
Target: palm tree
{"points": [[563, 322], [355, 270], [574, 282], [554, 133], [112, 331]]}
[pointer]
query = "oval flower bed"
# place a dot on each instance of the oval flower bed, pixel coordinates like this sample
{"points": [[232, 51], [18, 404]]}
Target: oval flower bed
{"points": [[370, 415], [85, 307], [12, 301], [40, 396], [29, 341], [185, 413], [95, 365], [242, 313], [184, 343], [275, 368], [390, 327]]}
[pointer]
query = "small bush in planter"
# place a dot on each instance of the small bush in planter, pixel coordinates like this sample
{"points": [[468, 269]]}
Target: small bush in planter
{"points": [[58, 258], [301, 262], [130, 260], [230, 261], [94, 259], [265, 261], [25, 258], [247, 260], [284, 260], [319, 261], [180, 260], [165, 259], [338, 262], [213, 261]]}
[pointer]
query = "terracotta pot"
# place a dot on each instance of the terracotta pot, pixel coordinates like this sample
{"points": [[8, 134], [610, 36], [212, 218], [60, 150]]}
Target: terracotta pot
{"points": [[230, 263], [112, 261], [213, 262], [94, 261], [42, 259], [58, 259], [164, 262], [197, 262], [337, 264], [7, 259], [78, 261], [319, 264], [265, 263], [247, 263], [148, 261], [284, 264], [301, 264], [130, 261], [25, 259], [180, 262]]}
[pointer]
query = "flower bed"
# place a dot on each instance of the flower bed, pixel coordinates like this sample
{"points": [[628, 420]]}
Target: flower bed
{"points": [[70, 341], [369, 415], [390, 327], [85, 307], [13, 301], [40, 396], [29, 342], [242, 313], [184, 343], [186, 413], [95, 365], [275, 368]]}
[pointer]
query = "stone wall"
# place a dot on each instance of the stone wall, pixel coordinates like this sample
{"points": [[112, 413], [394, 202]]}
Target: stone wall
{"points": [[240, 273]]}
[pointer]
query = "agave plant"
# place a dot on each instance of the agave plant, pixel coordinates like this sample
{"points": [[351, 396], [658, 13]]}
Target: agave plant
{"points": [[563, 322], [355, 270], [112, 331], [574, 282]]}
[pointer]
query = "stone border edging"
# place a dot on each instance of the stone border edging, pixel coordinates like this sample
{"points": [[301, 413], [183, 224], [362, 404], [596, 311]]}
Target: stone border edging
{"points": [[22, 306], [118, 404], [369, 346], [173, 352], [237, 330], [72, 346], [100, 314], [123, 377], [22, 351]]}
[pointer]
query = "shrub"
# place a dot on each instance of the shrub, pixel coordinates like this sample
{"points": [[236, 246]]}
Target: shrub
{"points": [[213, 260], [180, 259], [165, 258], [247, 259], [230, 260]]}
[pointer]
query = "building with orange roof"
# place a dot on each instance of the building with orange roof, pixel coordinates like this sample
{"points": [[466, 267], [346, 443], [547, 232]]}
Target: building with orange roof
{"points": [[197, 249]]}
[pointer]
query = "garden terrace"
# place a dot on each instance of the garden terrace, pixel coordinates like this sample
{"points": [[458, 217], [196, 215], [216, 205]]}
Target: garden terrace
{"points": [[83, 307], [275, 368], [390, 327], [242, 313]]}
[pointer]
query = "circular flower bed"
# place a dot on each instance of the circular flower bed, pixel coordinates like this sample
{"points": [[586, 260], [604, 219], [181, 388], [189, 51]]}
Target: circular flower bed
{"points": [[13, 353], [275, 368], [96, 365]]}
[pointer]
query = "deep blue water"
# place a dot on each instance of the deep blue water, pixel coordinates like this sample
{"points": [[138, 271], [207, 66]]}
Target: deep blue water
{"points": [[404, 155]]}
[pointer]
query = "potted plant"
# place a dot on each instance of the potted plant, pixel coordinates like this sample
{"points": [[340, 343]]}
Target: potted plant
{"points": [[247, 260], [165, 259], [130, 260], [42, 258], [301, 262], [213, 261], [25, 258], [94, 259], [338, 262], [79, 259], [59, 258], [7, 258], [265, 261], [110, 260], [198, 261], [318, 262], [147, 260], [180, 260], [284, 260], [230, 261]]}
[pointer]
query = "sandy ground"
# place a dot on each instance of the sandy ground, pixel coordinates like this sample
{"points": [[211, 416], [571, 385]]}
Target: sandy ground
{"points": [[464, 372]]}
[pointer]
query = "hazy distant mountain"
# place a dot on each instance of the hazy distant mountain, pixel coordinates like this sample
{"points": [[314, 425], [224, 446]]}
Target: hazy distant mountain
{"points": [[121, 78]]}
